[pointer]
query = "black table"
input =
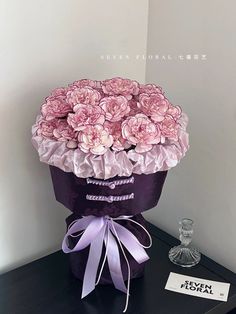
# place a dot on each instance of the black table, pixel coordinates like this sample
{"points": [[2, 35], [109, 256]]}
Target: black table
{"points": [[46, 286]]}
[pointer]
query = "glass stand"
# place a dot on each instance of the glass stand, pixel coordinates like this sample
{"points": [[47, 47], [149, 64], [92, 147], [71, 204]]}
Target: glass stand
{"points": [[184, 254]]}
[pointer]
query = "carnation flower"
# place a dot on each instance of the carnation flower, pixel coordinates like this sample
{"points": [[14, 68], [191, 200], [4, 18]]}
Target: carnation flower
{"points": [[86, 83], [174, 111], [150, 89], [94, 139], [169, 128], [55, 107], [120, 86], [119, 143], [115, 107], [154, 105], [85, 95], [84, 115], [61, 91], [46, 128], [141, 131], [65, 133]]}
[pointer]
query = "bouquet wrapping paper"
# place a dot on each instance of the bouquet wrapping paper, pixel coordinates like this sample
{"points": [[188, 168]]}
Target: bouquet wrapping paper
{"points": [[81, 195]]}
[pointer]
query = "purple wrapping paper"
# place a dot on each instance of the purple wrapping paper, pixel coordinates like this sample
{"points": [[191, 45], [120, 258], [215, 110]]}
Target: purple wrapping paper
{"points": [[78, 260], [71, 191]]}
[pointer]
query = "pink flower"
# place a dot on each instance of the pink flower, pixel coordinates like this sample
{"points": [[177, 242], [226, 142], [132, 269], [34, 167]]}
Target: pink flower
{"points": [[141, 131], [85, 95], [154, 105], [84, 115], [94, 139], [86, 83], [169, 128], [46, 128], [65, 133], [114, 128], [115, 107], [150, 89], [120, 86], [174, 111], [55, 107], [61, 91]]}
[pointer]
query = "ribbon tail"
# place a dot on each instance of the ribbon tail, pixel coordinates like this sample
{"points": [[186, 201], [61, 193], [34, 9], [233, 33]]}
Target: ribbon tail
{"points": [[131, 243], [113, 258], [94, 257]]}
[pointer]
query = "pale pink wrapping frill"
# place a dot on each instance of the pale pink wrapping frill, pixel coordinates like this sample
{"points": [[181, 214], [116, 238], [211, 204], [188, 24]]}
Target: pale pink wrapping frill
{"points": [[122, 163]]}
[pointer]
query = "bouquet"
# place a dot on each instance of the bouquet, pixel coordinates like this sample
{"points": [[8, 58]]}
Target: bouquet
{"points": [[109, 145]]}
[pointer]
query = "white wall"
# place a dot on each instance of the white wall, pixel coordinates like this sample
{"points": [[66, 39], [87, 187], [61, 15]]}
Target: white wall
{"points": [[45, 44], [203, 187]]}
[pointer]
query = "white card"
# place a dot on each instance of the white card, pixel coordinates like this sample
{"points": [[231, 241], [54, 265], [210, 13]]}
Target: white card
{"points": [[198, 287]]}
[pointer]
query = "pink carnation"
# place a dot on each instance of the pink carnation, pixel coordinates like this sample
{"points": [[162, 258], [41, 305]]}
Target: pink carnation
{"points": [[55, 107], [65, 133], [150, 89], [94, 139], [174, 111], [154, 105], [169, 128], [86, 83], [120, 86], [85, 95], [84, 115], [115, 107], [114, 128], [46, 128], [61, 91], [141, 131]]}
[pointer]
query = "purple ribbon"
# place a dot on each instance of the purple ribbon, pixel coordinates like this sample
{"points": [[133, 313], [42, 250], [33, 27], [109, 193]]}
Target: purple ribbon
{"points": [[95, 231]]}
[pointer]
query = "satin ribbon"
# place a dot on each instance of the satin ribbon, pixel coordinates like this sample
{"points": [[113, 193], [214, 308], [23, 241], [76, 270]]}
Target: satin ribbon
{"points": [[95, 231]]}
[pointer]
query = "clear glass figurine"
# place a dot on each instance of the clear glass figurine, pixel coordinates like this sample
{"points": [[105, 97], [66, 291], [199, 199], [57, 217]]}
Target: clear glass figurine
{"points": [[184, 254]]}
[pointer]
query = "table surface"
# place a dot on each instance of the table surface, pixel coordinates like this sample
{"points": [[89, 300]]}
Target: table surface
{"points": [[46, 286]]}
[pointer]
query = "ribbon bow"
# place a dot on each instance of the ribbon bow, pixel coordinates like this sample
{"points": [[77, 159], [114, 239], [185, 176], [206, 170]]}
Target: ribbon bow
{"points": [[96, 230]]}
